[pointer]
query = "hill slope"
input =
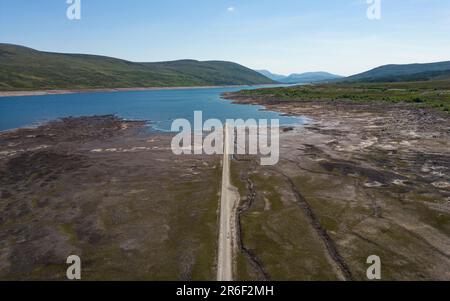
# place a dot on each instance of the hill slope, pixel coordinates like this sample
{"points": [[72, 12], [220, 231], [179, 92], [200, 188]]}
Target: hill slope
{"points": [[399, 73], [28, 69]]}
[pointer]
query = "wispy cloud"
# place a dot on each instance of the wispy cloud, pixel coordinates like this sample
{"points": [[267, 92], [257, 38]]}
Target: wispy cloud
{"points": [[231, 9]]}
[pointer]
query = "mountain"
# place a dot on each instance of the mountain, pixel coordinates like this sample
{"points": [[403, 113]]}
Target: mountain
{"points": [[272, 76], [310, 77], [401, 73], [24, 68], [303, 78]]}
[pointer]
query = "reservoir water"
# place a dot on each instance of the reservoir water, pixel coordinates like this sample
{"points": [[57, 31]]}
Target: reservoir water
{"points": [[160, 107]]}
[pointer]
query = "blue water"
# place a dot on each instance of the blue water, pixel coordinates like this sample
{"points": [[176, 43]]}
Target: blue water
{"points": [[161, 107]]}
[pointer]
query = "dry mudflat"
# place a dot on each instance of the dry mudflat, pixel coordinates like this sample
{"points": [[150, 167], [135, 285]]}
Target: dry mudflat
{"points": [[110, 192], [360, 179]]}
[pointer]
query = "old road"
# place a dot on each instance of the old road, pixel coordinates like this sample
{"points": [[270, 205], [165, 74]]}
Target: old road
{"points": [[229, 201]]}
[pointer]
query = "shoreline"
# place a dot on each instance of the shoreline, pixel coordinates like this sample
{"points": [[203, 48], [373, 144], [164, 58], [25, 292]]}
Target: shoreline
{"points": [[111, 90]]}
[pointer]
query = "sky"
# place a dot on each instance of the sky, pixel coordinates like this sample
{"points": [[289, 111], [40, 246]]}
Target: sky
{"points": [[283, 36]]}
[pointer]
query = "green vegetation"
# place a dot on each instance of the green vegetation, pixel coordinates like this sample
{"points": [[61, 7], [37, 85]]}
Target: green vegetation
{"points": [[28, 69], [425, 94], [404, 73]]}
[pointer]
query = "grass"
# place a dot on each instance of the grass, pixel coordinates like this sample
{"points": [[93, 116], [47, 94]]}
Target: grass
{"points": [[431, 94]]}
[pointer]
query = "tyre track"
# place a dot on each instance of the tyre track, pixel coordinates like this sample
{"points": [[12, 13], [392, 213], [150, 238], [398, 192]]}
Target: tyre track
{"points": [[255, 262], [329, 244]]}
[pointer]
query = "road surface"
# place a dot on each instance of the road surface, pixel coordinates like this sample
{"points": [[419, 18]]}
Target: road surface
{"points": [[228, 203]]}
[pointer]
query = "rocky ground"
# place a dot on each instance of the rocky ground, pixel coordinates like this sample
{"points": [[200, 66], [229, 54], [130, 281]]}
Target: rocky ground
{"points": [[360, 179], [110, 192]]}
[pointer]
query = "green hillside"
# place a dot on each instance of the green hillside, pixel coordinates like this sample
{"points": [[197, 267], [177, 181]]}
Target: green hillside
{"points": [[404, 73], [23, 68]]}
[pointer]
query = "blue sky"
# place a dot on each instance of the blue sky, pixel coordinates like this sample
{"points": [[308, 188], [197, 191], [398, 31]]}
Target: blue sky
{"points": [[284, 36]]}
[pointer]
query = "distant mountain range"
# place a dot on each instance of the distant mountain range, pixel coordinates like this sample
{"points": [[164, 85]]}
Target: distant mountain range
{"points": [[272, 76], [310, 77], [386, 73], [303, 78], [402, 73], [24, 68]]}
